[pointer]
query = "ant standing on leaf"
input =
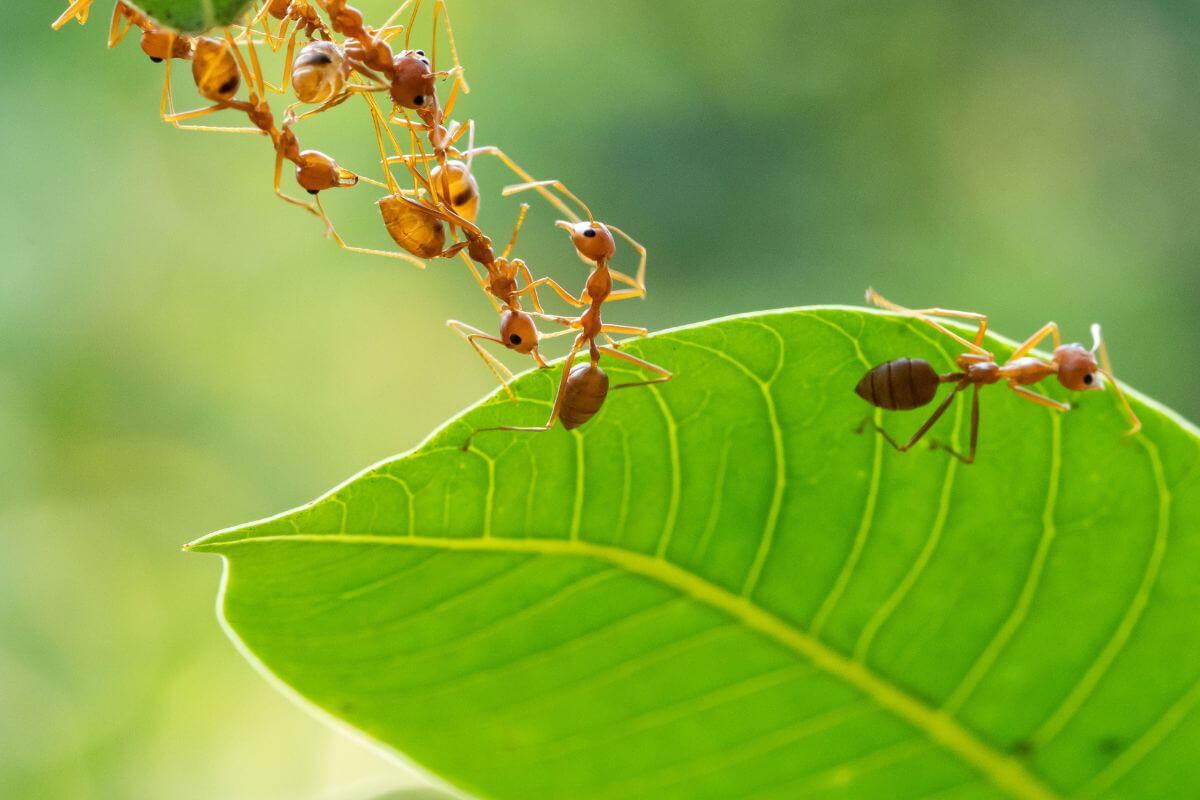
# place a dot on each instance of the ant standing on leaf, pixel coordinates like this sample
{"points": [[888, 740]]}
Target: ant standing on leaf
{"points": [[518, 331], [583, 388], [905, 384]]}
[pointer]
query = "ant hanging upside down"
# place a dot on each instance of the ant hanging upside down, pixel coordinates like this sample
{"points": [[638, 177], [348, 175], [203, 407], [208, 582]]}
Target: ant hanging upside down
{"points": [[908, 383]]}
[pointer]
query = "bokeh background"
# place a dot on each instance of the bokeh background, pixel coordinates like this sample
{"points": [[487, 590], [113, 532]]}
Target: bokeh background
{"points": [[180, 352]]}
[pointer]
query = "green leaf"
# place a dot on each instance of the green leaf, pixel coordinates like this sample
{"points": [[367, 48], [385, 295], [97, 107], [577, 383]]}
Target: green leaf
{"points": [[716, 589], [193, 16]]}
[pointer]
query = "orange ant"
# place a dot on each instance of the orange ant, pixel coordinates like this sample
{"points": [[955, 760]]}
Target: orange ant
{"points": [[583, 388], [904, 384], [216, 60], [453, 178], [518, 330], [410, 75], [593, 242]]}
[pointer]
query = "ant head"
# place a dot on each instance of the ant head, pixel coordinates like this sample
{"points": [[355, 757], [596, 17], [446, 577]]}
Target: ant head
{"points": [[317, 171], [592, 239], [160, 45], [518, 331], [1077, 368], [413, 85]]}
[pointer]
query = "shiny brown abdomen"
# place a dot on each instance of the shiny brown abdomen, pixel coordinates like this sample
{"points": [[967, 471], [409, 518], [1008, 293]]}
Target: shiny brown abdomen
{"points": [[586, 388], [899, 385], [413, 228]]}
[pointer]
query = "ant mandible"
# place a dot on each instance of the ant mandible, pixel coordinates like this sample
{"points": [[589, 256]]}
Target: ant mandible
{"points": [[904, 383]]}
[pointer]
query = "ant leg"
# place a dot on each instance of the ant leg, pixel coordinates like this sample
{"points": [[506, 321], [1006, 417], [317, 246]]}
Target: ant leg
{"points": [[540, 186], [166, 109], [416, 262], [1025, 347], [251, 73], [876, 299], [982, 319], [483, 284], [970, 457], [512, 240], [664, 375], [289, 63], [640, 281], [440, 5], [473, 335], [929, 423], [282, 196], [528, 276], [624, 294], [391, 21], [628, 330], [77, 10], [117, 31], [570, 321], [1041, 400], [558, 289], [175, 119], [554, 412]]}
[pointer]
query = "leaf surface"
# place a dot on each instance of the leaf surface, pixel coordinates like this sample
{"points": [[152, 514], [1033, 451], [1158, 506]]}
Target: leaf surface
{"points": [[194, 16], [716, 589]]}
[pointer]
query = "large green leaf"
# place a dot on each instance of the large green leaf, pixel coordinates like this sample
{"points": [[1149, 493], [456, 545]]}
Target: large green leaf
{"points": [[716, 589], [194, 16]]}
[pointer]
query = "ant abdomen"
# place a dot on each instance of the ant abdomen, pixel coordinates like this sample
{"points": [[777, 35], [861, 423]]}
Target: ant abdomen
{"points": [[586, 388], [899, 385], [318, 72], [412, 227], [215, 69], [463, 189]]}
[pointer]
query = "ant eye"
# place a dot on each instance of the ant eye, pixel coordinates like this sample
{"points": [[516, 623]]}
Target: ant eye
{"points": [[419, 100], [228, 86], [590, 233], [1088, 379], [421, 53], [514, 338]]}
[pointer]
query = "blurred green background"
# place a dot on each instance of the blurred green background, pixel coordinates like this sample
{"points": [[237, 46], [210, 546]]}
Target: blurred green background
{"points": [[180, 352]]}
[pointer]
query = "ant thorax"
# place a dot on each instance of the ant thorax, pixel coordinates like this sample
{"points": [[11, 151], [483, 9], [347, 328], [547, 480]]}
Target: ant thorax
{"points": [[1027, 370]]}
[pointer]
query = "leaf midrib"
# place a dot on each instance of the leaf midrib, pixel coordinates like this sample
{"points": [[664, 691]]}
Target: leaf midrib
{"points": [[1005, 772]]}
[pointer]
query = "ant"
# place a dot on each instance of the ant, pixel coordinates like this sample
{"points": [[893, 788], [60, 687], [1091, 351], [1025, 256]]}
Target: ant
{"points": [[583, 388], [518, 330], [460, 190], [904, 384], [409, 75], [214, 59]]}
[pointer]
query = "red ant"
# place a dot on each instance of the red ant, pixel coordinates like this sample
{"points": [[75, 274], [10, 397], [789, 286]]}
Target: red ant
{"points": [[904, 384]]}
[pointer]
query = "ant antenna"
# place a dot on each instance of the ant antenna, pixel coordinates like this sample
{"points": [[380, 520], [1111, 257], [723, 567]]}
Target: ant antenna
{"points": [[1100, 349], [557, 184]]}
